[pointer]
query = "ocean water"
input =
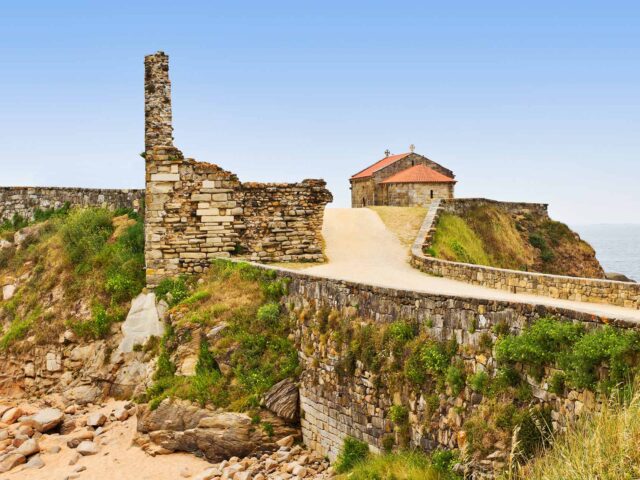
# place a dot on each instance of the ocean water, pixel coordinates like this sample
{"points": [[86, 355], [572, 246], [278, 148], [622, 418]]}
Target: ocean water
{"points": [[617, 247]]}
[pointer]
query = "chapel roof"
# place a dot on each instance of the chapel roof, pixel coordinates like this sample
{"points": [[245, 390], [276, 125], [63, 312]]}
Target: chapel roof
{"points": [[419, 174]]}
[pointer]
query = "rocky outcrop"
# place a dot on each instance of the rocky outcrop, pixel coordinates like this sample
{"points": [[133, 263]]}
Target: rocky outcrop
{"points": [[283, 400], [142, 322], [179, 426]]}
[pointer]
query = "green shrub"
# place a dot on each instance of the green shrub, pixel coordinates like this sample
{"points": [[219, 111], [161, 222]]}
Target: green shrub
{"points": [[206, 361], [85, 233], [616, 349], [353, 451], [479, 382], [557, 383], [399, 414], [19, 329], [455, 378], [268, 313], [173, 290], [388, 442], [443, 460], [539, 344], [99, 325]]}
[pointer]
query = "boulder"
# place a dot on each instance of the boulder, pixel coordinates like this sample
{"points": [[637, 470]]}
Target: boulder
{"points": [[29, 447], [83, 394], [5, 244], [121, 414], [283, 400], [11, 415], [176, 415], [80, 437], [143, 321], [45, 420], [96, 419], [8, 291], [27, 234], [87, 448], [35, 462], [11, 461]]}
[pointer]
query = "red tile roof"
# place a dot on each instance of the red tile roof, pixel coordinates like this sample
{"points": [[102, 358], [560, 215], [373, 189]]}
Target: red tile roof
{"points": [[367, 172], [419, 174]]}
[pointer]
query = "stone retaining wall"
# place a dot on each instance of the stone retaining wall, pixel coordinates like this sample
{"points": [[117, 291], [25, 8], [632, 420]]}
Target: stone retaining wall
{"points": [[335, 406], [624, 294], [25, 200]]}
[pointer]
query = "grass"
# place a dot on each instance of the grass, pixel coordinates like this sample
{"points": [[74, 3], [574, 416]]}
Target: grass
{"points": [[489, 235], [79, 271], [253, 350], [356, 463], [455, 240], [404, 222], [602, 445]]}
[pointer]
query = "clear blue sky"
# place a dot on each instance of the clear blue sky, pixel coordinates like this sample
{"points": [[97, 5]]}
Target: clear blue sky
{"points": [[531, 101]]}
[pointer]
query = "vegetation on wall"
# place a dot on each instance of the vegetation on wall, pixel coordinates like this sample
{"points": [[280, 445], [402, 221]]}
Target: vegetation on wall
{"points": [[252, 351], [77, 268], [492, 236]]}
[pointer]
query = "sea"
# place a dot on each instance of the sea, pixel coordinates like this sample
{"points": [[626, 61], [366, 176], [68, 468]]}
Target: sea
{"points": [[617, 247]]}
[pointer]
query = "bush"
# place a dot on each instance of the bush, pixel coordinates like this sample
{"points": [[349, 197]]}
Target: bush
{"points": [[172, 290], [19, 329], [405, 465], [85, 233], [479, 382], [99, 325], [268, 313], [206, 361], [399, 414], [455, 378], [353, 451]]}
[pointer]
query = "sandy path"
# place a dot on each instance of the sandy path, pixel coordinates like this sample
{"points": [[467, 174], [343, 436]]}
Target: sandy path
{"points": [[117, 459], [361, 249]]}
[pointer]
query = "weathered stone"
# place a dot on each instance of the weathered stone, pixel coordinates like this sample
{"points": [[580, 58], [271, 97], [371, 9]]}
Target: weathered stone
{"points": [[87, 448], [29, 447], [45, 420], [142, 322], [11, 461], [282, 399], [11, 415], [96, 419]]}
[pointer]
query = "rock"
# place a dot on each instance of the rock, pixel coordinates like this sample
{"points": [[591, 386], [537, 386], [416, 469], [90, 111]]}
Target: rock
{"points": [[11, 461], [618, 277], [143, 322], [8, 291], [86, 448], [45, 420], [27, 234], [35, 462], [120, 414], [11, 415], [96, 419], [80, 437], [5, 244], [286, 441], [283, 400], [29, 447], [74, 458], [83, 394], [208, 474], [53, 362], [54, 449]]}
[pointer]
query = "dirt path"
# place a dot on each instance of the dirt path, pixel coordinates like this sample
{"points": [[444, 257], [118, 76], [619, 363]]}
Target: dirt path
{"points": [[361, 249]]}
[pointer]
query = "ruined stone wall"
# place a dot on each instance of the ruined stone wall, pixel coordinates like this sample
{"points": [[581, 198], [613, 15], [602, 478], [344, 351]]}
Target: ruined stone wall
{"points": [[25, 200], [623, 294], [158, 129], [416, 194], [283, 221], [198, 211]]}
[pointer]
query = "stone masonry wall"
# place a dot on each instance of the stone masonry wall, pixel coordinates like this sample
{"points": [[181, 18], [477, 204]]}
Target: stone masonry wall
{"points": [[196, 211], [25, 200], [335, 406], [622, 294], [416, 194], [283, 221]]}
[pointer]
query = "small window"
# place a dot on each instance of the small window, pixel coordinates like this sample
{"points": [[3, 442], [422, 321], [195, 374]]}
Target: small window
{"points": [[431, 193]]}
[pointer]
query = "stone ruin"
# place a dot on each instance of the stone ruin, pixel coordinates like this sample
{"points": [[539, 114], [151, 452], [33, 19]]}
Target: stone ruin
{"points": [[196, 212]]}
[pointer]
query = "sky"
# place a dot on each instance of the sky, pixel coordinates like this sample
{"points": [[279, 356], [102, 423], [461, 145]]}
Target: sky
{"points": [[524, 101]]}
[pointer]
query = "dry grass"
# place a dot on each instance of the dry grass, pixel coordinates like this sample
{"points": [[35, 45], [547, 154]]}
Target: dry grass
{"points": [[602, 446], [405, 222], [455, 240]]}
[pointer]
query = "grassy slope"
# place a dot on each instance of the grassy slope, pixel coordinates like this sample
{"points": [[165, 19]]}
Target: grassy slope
{"points": [[253, 350], [490, 236], [79, 269], [399, 466], [405, 222]]}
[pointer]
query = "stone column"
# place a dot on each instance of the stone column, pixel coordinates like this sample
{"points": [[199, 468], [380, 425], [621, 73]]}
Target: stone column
{"points": [[158, 131]]}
